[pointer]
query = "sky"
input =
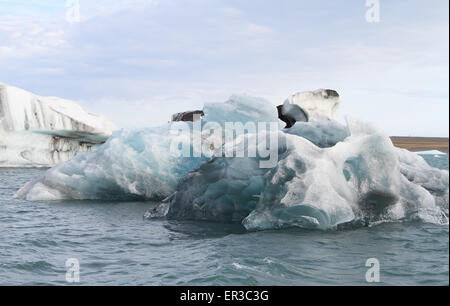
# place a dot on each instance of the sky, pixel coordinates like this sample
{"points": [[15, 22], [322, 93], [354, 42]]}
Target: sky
{"points": [[139, 61]]}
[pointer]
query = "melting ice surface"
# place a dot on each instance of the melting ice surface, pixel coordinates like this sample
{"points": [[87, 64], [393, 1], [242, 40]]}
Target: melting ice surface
{"points": [[326, 175]]}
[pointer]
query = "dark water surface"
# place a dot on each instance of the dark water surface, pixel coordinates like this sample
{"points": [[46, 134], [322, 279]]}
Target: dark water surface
{"points": [[115, 246]]}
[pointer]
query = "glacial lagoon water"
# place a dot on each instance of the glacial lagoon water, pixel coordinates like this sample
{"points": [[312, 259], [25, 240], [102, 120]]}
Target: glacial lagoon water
{"points": [[114, 245]]}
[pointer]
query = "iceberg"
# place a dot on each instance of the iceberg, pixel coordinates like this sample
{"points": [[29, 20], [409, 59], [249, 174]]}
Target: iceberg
{"points": [[188, 116], [358, 179], [131, 165], [318, 104], [241, 109], [323, 133], [44, 131], [222, 189], [326, 174], [143, 164], [416, 170]]}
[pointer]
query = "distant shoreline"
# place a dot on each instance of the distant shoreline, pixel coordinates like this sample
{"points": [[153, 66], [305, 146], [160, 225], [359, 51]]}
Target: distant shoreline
{"points": [[418, 144]]}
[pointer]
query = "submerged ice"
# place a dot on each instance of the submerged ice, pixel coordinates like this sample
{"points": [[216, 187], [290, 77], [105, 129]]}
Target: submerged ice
{"points": [[326, 174]]}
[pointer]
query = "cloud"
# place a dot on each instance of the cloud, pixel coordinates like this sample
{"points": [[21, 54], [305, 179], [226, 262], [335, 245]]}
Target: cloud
{"points": [[24, 39], [231, 11], [130, 57], [255, 29], [148, 62]]}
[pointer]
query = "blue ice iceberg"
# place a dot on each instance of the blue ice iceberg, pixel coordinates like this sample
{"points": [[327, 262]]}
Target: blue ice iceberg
{"points": [[142, 164], [312, 187], [241, 109], [132, 164], [325, 174]]}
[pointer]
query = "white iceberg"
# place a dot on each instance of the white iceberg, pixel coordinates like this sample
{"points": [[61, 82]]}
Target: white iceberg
{"points": [[318, 104], [45, 131], [414, 168], [359, 179]]}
